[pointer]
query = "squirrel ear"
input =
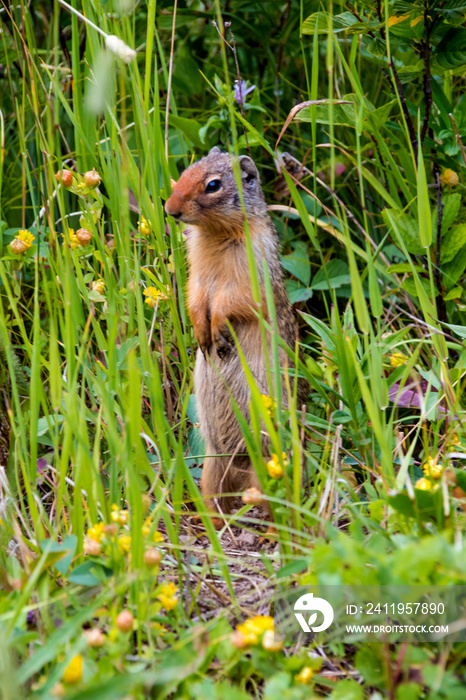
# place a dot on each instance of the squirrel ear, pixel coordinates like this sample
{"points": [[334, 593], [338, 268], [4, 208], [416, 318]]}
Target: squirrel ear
{"points": [[248, 167], [214, 151]]}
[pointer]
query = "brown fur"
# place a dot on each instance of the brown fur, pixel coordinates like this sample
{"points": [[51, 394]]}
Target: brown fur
{"points": [[219, 288]]}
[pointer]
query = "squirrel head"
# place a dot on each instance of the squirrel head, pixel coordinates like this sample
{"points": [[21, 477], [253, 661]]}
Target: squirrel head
{"points": [[206, 194]]}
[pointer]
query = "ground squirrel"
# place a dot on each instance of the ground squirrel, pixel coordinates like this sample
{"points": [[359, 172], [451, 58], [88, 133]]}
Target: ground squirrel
{"points": [[219, 288]]}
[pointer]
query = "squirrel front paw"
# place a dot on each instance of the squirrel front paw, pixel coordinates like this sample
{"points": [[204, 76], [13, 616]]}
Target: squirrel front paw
{"points": [[203, 337], [223, 341]]}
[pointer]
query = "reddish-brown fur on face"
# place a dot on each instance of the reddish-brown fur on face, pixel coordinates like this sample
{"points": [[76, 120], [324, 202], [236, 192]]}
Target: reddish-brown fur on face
{"points": [[220, 290]]}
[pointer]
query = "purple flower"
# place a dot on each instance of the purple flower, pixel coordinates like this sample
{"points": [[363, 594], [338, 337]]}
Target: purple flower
{"points": [[241, 91]]}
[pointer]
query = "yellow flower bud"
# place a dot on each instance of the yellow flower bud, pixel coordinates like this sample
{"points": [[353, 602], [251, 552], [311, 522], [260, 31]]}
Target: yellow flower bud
{"points": [[238, 640], [252, 496], [125, 621], [449, 177], [64, 177], [152, 557], [271, 641], [92, 178], [84, 236], [94, 637], [91, 547], [17, 247]]}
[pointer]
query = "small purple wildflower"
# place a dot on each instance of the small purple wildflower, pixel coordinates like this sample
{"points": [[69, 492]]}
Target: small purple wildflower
{"points": [[241, 91]]}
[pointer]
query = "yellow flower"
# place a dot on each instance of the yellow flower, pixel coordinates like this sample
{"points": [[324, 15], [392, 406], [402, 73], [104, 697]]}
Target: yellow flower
{"points": [[167, 596], [396, 20], [96, 532], [161, 629], [119, 516], [98, 286], [169, 589], [431, 469], [251, 630], [153, 295], [425, 485], [167, 602], [305, 675], [274, 467], [73, 239], [449, 177], [269, 403], [398, 359], [454, 442], [144, 226], [124, 543], [73, 673], [26, 238], [157, 536]]}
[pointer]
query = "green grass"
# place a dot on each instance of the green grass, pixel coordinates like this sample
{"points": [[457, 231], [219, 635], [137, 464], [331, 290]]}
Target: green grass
{"points": [[98, 421]]}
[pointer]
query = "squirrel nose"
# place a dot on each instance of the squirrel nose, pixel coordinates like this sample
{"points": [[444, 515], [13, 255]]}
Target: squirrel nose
{"points": [[173, 205]]}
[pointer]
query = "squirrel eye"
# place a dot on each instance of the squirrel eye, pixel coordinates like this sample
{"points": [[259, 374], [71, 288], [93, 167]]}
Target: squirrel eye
{"points": [[213, 186]]}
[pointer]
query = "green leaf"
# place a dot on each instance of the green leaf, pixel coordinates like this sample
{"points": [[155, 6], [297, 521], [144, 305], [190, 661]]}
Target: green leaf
{"points": [[67, 548], [320, 21], [399, 268], [452, 243], [459, 330], [337, 272], [90, 573], [294, 567], [339, 417], [189, 127], [423, 205], [348, 689], [402, 503], [453, 270], [47, 423], [408, 229], [296, 292], [298, 264], [451, 206], [454, 293], [451, 51]]}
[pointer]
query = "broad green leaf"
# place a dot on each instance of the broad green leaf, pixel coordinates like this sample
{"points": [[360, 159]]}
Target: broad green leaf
{"points": [[455, 293], [296, 291], [451, 52], [452, 242], [320, 20], [348, 689], [189, 127], [453, 270], [408, 229], [451, 207], [459, 330], [298, 264], [337, 272], [67, 548], [47, 423], [90, 573]]}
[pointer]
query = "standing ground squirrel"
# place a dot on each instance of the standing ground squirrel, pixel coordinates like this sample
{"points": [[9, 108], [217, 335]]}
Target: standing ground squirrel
{"points": [[219, 288]]}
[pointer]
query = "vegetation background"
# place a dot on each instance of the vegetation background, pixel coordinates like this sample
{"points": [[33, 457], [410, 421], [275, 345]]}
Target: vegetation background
{"points": [[107, 589]]}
